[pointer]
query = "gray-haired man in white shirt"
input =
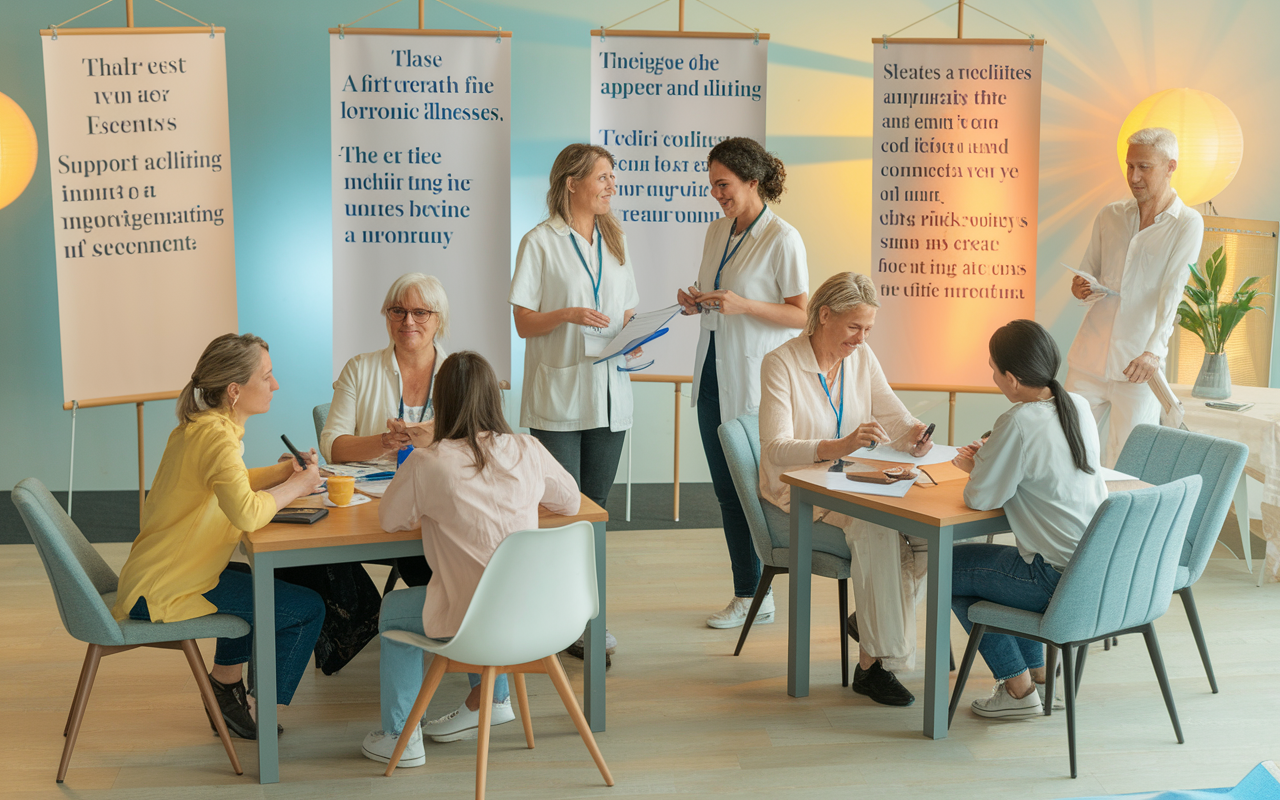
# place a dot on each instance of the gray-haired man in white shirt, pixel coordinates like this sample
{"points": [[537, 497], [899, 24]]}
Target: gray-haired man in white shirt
{"points": [[1140, 249]]}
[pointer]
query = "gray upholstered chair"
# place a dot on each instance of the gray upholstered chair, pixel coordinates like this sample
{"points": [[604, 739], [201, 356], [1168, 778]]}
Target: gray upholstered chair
{"points": [[1119, 581], [771, 529], [319, 415], [1160, 455], [85, 589]]}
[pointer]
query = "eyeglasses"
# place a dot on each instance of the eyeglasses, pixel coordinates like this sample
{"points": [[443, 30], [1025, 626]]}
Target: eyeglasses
{"points": [[419, 314]]}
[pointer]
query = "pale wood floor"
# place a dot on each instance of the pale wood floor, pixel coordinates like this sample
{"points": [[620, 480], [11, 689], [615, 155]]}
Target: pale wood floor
{"points": [[685, 717]]}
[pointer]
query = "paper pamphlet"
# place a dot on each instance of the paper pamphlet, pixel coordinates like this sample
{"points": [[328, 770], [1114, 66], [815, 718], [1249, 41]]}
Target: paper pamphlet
{"points": [[936, 455], [1171, 411], [838, 482], [372, 488], [639, 329], [358, 469], [1094, 286]]}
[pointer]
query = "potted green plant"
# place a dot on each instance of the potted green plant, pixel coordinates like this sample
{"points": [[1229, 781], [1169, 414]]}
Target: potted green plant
{"points": [[1214, 320]]}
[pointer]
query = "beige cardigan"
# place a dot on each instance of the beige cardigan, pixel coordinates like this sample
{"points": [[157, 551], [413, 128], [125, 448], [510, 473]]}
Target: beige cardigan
{"points": [[795, 414]]}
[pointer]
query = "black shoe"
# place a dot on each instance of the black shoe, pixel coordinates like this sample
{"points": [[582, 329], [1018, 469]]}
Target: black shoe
{"points": [[851, 626], [576, 650], [881, 686], [233, 701]]}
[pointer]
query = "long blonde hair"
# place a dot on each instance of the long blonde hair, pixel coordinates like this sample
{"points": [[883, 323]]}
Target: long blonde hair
{"points": [[576, 161], [229, 359]]}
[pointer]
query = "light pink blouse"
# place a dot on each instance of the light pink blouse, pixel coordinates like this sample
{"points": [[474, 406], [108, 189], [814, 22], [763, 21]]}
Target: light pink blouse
{"points": [[465, 514]]}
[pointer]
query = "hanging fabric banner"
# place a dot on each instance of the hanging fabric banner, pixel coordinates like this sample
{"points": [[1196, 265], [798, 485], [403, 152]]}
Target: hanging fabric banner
{"points": [[955, 184], [659, 103], [421, 126], [139, 158]]}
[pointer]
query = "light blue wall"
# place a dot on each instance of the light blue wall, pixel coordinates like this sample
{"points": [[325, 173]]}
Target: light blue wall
{"points": [[1102, 58]]}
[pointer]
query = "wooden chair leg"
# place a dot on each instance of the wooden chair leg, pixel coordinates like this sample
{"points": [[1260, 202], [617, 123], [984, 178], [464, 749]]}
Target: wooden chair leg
{"points": [[1068, 670], [429, 685], [84, 670], [843, 591], [561, 682], [90, 671], [522, 697], [766, 578], [966, 662], [196, 662], [1193, 617], [487, 678], [1157, 663]]}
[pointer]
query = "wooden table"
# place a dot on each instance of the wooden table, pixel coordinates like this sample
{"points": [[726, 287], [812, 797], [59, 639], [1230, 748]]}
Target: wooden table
{"points": [[934, 513], [354, 534]]}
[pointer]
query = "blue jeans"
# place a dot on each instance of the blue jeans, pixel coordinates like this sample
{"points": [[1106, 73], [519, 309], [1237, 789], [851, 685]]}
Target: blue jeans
{"points": [[996, 572], [299, 615], [400, 665], [742, 552]]}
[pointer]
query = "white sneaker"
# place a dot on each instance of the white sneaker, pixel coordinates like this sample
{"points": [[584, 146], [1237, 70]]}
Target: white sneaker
{"points": [[735, 614], [379, 745], [463, 723], [1003, 705], [1058, 703]]}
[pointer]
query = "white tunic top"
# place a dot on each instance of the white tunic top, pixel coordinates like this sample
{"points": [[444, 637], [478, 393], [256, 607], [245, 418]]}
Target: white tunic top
{"points": [[795, 415], [770, 265], [465, 515], [366, 395], [563, 390], [1026, 467], [1149, 270]]}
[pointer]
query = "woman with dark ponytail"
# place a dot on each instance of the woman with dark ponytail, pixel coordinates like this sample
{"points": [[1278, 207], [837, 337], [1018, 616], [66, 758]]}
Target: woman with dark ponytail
{"points": [[1041, 466]]}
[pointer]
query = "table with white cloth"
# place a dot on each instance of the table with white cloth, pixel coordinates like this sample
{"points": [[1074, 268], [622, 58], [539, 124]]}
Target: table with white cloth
{"points": [[1259, 429]]}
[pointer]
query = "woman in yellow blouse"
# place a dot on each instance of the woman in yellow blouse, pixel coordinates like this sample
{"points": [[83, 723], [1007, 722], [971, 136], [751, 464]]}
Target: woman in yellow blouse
{"points": [[201, 500]]}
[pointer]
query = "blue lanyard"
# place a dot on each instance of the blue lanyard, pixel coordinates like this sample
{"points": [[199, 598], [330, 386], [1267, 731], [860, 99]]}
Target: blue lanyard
{"points": [[839, 413], [595, 281], [727, 257], [425, 405]]}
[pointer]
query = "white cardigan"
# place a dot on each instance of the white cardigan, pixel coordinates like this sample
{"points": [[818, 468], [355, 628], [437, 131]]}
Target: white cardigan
{"points": [[795, 415], [366, 395]]}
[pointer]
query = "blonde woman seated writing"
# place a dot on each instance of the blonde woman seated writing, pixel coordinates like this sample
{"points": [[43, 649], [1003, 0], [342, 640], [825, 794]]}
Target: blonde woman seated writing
{"points": [[823, 396], [476, 484]]}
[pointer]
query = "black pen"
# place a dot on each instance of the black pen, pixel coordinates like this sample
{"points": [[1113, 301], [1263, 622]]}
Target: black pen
{"points": [[301, 461]]}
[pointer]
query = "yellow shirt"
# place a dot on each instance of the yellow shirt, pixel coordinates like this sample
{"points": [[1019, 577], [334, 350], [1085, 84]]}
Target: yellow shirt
{"points": [[200, 501]]}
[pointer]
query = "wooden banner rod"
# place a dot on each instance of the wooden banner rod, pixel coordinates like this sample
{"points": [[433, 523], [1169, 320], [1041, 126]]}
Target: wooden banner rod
{"points": [[126, 31], [904, 40], [128, 13], [683, 34], [344, 31]]}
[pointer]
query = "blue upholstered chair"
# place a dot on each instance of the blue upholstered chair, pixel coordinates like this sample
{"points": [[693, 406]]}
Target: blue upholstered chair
{"points": [[1120, 580], [771, 529], [319, 415], [1160, 455], [85, 589]]}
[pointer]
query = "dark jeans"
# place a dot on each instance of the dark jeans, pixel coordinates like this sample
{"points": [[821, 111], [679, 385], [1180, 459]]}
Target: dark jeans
{"points": [[742, 553], [996, 572], [590, 456], [299, 614]]}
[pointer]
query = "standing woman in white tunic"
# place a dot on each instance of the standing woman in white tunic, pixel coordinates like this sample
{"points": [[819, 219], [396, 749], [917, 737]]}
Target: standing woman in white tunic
{"points": [[572, 292], [1041, 465], [752, 292]]}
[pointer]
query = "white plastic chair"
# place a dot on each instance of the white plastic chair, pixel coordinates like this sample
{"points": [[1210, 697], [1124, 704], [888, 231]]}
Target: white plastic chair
{"points": [[534, 599]]}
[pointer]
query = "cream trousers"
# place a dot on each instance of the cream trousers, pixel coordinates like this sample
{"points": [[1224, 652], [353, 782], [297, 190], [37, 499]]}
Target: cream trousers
{"points": [[888, 575]]}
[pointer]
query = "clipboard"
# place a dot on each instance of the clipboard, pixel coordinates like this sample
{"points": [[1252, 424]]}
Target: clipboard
{"points": [[633, 344]]}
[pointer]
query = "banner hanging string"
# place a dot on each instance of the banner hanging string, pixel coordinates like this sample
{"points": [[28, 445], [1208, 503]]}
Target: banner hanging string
{"points": [[441, 2], [638, 13], [944, 8], [663, 3], [100, 5], [721, 13], [922, 19], [1002, 22]]}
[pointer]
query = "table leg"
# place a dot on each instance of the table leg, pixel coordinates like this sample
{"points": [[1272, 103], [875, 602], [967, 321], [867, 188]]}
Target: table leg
{"points": [[264, 666], [1241, 501], [938, 635], [593, 668], [800, 586]]}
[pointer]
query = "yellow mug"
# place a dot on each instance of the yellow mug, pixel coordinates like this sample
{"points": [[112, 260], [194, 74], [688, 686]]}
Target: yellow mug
{"points": [[341, 489]]}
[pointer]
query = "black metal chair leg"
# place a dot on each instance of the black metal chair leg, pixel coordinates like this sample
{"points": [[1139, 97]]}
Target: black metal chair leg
{"points": [[966, 662], [391, 580], [766, 578], [1189, 603], [1068, 669], [844, 640], [1083, 655], [1050, 677], [1157, 663]]}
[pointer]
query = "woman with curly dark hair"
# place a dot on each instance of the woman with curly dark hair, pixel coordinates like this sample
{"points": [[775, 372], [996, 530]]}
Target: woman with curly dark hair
{"points": [[752, 292]]}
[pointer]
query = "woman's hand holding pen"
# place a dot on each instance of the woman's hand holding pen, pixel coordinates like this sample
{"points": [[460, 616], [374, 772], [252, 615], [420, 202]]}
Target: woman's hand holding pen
{"points": [[397, 436], [923, 443], [964, 458], [688, 306]]}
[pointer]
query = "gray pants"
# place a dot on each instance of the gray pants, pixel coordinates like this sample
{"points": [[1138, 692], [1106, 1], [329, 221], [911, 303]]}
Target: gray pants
{"points": [[590, 456]]}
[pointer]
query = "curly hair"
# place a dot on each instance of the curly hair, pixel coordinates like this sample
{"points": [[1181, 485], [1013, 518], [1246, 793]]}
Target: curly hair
{"points": [[747, 159]]}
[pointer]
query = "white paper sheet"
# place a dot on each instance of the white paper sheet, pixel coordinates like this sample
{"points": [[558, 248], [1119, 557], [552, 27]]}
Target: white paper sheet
{"points": [[1094, 286], [1112, 475], [838, 482], [372, 488], [358, 469], [936, 455], [640, 326]]}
